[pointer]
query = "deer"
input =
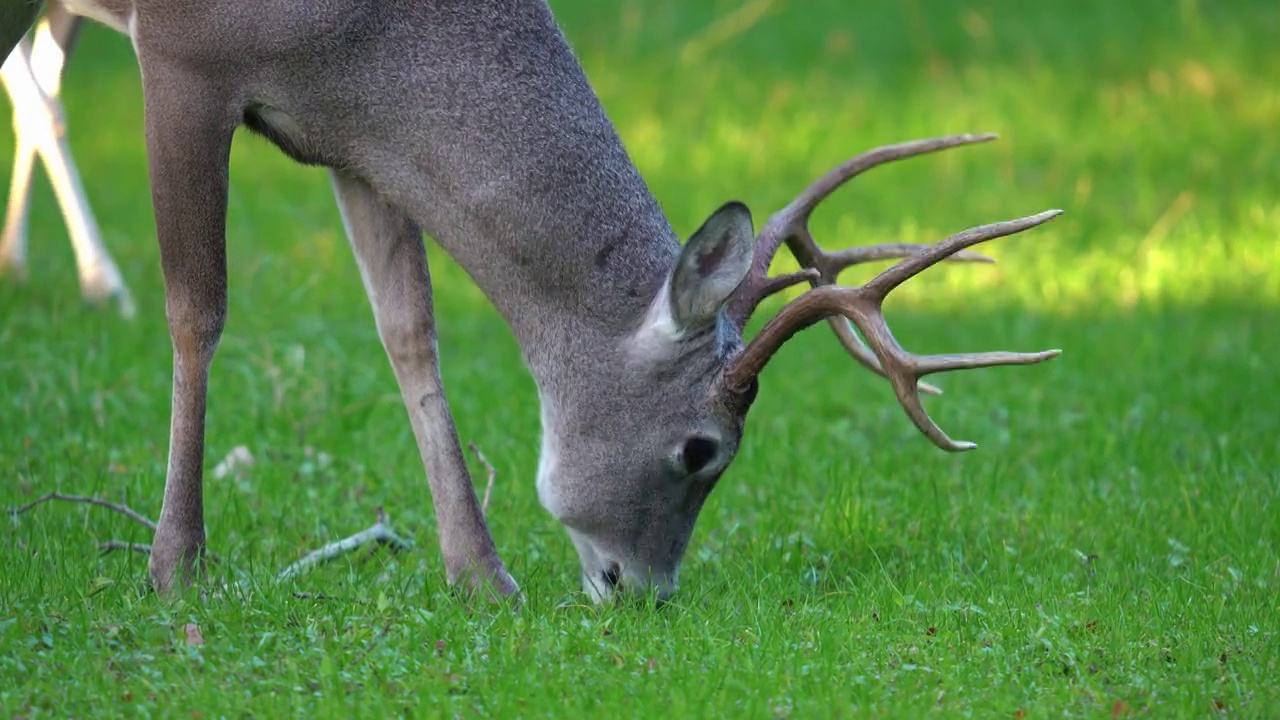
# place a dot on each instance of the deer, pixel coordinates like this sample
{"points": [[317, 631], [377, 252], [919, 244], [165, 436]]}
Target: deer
{"points": [[474, 123], [32, 77]]}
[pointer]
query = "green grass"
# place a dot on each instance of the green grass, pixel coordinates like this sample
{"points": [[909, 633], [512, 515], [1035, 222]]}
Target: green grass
{"points": [[1110, 548]]}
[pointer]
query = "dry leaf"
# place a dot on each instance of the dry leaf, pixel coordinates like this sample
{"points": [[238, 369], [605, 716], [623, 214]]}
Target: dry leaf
{"points": [[239, 458], [192, 631]]}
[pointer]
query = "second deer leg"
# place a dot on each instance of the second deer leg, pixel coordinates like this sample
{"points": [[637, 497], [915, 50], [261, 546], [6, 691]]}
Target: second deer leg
{"points": [[100, 280], [13, 245], [32, 77], [24, 93], [393, 264]]}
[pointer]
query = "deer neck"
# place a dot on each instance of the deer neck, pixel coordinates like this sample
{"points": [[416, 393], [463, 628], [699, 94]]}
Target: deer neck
{"points": [[525, 182], [575, 270]]}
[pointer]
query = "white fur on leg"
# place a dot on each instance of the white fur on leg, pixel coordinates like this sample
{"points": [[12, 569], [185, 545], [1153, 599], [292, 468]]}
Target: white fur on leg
{"points": [[13, 244], [47, 60]]}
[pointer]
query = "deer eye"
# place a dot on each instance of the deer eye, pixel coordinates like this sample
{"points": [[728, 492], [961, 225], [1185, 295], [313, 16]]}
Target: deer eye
{"points": [[697, 452]]}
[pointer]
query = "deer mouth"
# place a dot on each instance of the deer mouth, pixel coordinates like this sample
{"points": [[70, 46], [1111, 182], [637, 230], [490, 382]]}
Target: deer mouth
{"points": [[611, 581], [604, 576], [603, 583]]}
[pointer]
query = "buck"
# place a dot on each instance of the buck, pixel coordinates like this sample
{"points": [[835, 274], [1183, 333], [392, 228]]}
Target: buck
{"points": [[474, 123]]}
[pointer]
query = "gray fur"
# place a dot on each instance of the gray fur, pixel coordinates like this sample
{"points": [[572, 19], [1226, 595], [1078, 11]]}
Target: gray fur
{"points": [[471, 120]]}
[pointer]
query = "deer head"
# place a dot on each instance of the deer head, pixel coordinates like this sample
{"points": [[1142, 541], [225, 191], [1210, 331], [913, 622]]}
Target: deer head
{"points": [[664, 421]]}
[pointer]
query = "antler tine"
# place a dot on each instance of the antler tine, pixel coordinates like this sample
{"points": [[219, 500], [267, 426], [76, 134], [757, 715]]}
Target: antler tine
{"points": [[791, 225], [863, 306], [820, 189], [902, 271], [829, 265]]}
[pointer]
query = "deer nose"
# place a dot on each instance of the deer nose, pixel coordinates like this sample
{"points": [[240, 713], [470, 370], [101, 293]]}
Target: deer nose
{"points": [[612, 575]]}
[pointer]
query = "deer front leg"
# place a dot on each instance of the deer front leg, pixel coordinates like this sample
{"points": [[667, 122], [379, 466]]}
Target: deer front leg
{"points": [[188, 129], [393, 264], [24, 92], [13, 243]]}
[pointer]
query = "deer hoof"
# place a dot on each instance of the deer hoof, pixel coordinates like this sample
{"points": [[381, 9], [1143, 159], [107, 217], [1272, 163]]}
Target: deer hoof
{"points": [[177, 560], [485, 578]]}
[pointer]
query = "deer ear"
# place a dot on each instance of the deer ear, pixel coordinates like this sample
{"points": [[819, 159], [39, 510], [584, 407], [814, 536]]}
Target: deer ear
{"points": [[711, 266]]}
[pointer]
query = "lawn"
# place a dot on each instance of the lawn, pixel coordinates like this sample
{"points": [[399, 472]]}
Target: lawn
{"points": [[1111, 548]]}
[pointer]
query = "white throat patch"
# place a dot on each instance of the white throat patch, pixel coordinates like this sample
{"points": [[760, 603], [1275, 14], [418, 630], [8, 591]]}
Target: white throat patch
{"points": [[548, 458]]}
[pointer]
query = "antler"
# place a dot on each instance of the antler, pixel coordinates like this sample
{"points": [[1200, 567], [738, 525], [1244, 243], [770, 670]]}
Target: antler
{"points": [[819, 267], [863, 305]]}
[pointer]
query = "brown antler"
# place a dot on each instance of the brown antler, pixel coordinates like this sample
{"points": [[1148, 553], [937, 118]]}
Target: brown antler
{"points": [[819, 267], [863, 306]]}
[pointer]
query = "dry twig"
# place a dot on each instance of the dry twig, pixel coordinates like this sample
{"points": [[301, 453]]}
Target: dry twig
{"points": [[115, 507], [380, 532]]}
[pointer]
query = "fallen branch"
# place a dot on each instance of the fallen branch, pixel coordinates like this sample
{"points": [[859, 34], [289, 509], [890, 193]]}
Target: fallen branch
{"points": [[116, 507], [379, 532]]}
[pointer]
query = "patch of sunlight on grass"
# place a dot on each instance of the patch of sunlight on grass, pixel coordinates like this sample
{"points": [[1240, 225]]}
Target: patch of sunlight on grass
{"points": [[1102, 253], [1186, 269], [1140, 159]]}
